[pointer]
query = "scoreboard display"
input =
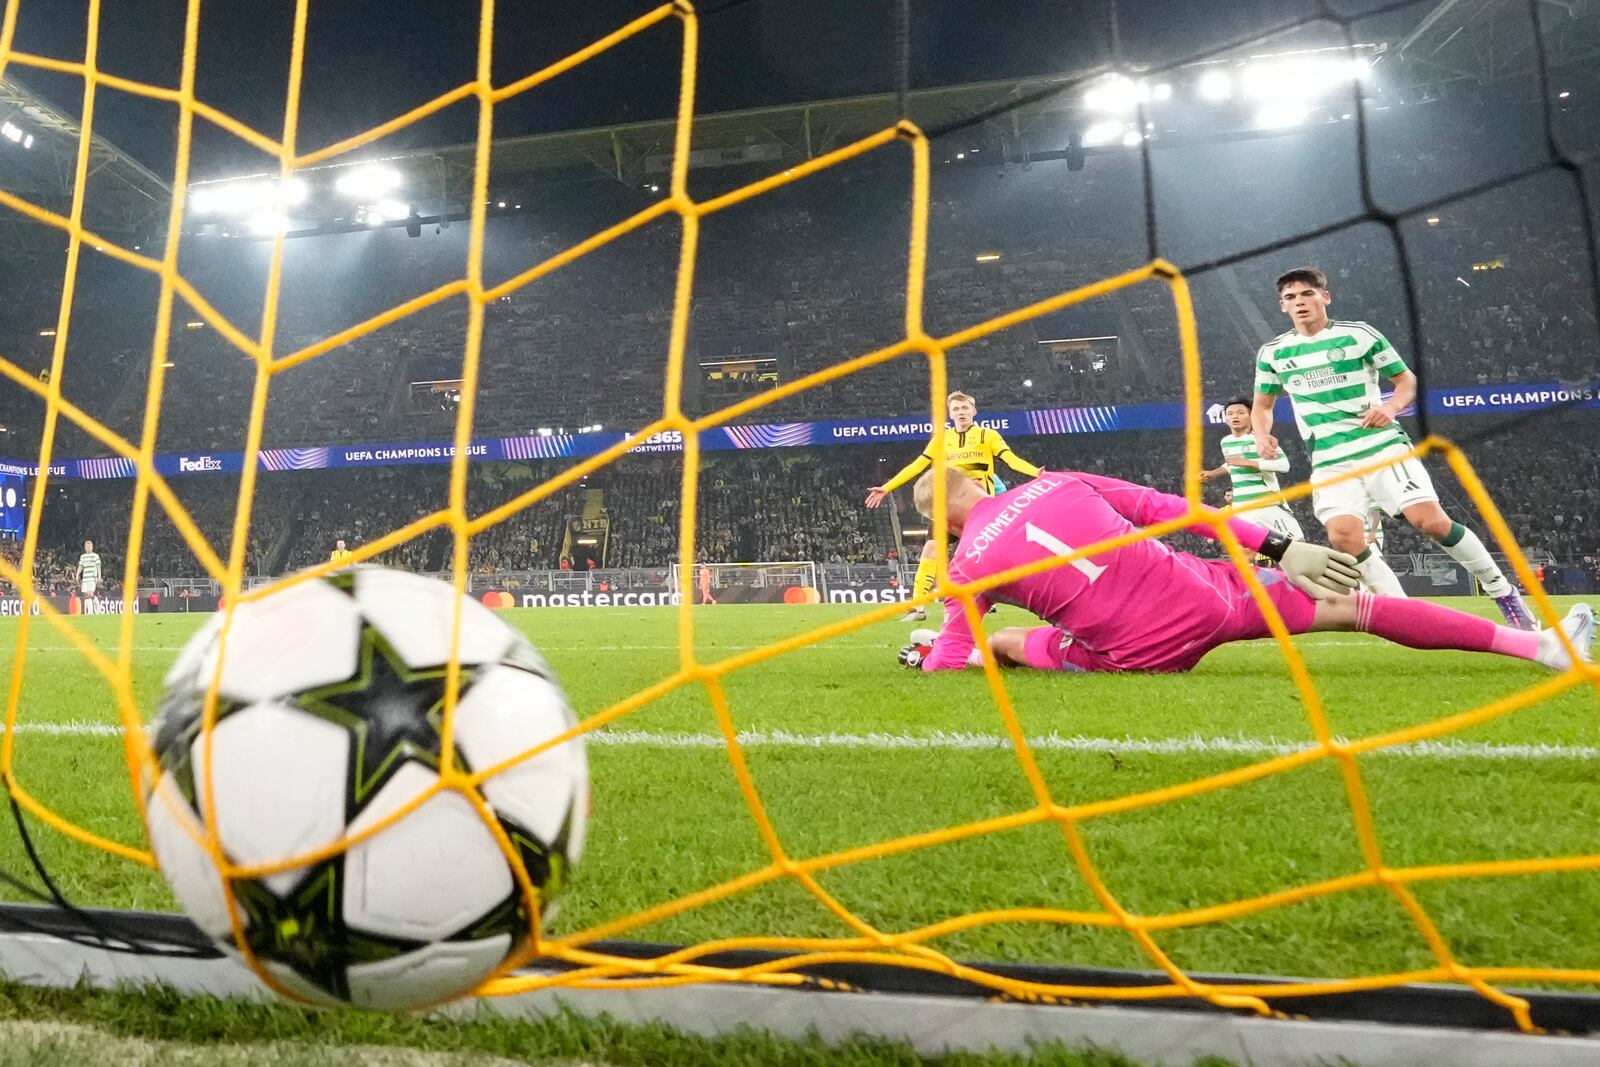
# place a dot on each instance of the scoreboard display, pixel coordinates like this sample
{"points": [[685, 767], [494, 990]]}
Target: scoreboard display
{"points": [[13, 507]]}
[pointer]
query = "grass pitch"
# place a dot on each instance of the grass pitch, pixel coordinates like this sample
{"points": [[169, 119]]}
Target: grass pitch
{"points": [[847, 749]]}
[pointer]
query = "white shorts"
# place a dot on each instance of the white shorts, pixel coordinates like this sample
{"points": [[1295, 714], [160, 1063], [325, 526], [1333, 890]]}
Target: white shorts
{"points": [[1276, 518], [88, 586], [1393, 488]]}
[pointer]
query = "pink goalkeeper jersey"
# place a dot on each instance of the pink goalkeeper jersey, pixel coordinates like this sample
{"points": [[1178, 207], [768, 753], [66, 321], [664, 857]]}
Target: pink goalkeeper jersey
{"points": [[1127, 605]]}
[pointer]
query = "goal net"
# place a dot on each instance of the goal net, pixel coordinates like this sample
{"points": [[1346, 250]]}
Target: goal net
{"points": [[792, 582], [1081, 840]]}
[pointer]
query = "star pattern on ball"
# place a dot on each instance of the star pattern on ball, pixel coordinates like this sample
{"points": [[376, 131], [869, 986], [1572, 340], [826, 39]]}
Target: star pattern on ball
{"points": [[393, 712], [304, 931]]}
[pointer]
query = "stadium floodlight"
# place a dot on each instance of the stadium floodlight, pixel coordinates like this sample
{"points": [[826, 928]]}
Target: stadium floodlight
{"points": [[27, 138], [987, 257], [1027, 383], [368, 181], [1114, 93], [1216, 86], [1103, 133], [1267, 80], [392, 210], [1304, 76], [246, 199], [1131, 138], [1161, 91], [265, 223], [1281, 114]]}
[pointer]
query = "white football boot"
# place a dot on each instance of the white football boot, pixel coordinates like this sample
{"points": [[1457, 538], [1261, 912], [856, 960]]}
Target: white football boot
{"points": [[1579, 628]]}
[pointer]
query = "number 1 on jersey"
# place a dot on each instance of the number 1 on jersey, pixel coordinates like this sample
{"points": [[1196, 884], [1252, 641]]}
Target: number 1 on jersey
{"points": [[1088, 567]]}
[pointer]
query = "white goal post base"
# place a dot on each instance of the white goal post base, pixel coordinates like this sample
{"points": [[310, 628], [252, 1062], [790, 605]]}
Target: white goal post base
{"points": [[933, 1025]]}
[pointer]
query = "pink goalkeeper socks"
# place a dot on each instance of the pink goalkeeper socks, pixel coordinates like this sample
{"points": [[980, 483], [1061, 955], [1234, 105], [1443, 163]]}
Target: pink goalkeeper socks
{"points": [[1420, 624]]}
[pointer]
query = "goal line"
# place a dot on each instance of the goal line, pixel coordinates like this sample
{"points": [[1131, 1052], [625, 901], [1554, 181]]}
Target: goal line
{"points": [[965, 741]]}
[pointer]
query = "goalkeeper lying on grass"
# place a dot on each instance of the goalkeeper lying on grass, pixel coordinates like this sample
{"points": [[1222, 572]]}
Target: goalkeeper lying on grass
{"points": [[1146, 607]]}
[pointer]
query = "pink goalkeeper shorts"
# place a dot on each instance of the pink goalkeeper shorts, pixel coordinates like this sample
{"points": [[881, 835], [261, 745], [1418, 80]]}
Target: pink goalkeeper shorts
{"points": [[1235, 617]]}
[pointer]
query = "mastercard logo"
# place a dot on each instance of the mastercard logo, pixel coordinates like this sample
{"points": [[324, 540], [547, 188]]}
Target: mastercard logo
{"points": [[801, 594], [496, 598]]}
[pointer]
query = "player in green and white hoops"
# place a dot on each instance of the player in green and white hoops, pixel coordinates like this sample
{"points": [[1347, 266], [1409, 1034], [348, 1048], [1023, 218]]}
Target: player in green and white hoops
{"points": [[88, 576], [1331, 371], [1253, 478]]}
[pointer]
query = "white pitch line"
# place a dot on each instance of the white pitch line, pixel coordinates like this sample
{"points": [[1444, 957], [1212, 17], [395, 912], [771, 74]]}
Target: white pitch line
{"points": [[832, 645], [960, 741]]}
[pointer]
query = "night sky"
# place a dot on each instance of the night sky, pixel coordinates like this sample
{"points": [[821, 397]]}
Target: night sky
{"points": [[367, 61]]}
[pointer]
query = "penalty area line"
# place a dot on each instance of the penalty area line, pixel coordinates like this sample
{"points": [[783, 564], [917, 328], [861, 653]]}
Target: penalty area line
{"points": [[958, 741]]}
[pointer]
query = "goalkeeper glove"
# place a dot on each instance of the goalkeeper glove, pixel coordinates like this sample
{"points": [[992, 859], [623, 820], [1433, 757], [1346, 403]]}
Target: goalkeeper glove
{"points": [[1320, 572], [912, 656]]}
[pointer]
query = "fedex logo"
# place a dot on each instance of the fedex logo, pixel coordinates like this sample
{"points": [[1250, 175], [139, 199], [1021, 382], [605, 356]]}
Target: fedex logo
{"points": [[199, 463]]}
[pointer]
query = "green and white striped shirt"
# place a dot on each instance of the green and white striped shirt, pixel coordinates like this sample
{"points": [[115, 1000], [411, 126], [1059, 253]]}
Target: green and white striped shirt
{"points": [[1250, 482], [1332, 378], [89, 566]]}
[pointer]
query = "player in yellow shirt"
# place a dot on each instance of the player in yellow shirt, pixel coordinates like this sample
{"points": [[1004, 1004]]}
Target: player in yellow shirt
{"points": [[969, 448], [339, 551]]}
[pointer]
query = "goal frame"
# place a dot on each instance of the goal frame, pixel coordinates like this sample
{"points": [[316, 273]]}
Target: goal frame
{"points": [[806, 567]]}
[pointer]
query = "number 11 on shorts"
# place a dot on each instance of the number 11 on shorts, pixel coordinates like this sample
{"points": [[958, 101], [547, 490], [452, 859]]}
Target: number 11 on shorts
{"points": [[1088, 567]]}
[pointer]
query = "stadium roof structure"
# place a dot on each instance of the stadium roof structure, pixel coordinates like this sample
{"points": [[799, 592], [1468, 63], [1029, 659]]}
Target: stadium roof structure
{"points": [[1479, 42], [793, 131], [640, 153], [1455, 43], [123, 195], [1459, 42]]}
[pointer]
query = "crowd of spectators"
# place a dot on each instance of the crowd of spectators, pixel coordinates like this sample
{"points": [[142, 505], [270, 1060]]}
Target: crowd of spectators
{"points": [[812, 275], [801, 279], [780, 504]]}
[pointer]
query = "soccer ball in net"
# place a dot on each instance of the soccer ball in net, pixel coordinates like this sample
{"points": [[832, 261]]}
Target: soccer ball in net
{"points": [[328, 715]]}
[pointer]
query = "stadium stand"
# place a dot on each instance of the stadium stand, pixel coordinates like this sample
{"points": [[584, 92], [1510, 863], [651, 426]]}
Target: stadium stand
{"points": [[772, 505], [786, 286], [598, 326]]}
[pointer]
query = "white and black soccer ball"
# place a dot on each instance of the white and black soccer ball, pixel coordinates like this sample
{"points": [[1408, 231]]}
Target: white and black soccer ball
{"points": [[328, 717]]}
